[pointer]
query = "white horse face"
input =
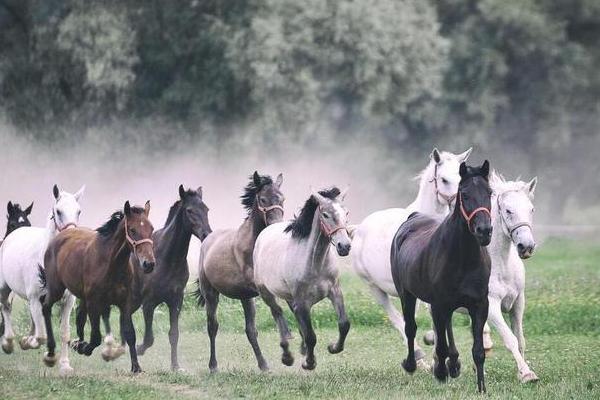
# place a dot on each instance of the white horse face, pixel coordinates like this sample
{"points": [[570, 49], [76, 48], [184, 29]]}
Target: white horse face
{"points": [[333, 218], [66, 209], [516, 210], [446, 177]]}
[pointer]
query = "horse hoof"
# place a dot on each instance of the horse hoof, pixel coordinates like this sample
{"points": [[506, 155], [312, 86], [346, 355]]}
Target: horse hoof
{"points": [[409, 366], [423, 365], [50, 361], [264, 368], [109, 341], [453, 368], [287, 359], [65, 370], [213, 370], [309, 366], [529, 377], [429, 338], [136, 370], [177, 368], [8, 346], [440, 372], [333, 348], [24, 343], [106, 356]]}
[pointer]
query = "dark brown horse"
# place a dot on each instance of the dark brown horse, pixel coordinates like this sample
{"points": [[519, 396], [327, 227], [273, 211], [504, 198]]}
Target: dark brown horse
{"points": [[96, 267], [447, 265], [16, 217], [226, 262], [187, 217]]}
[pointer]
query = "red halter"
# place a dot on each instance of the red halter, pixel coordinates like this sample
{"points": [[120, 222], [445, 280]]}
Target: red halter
{"points": [[135, 243], [469, 217]]}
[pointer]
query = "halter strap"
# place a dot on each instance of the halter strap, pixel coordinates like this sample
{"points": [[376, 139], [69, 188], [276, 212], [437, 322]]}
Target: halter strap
{"points": [[469, 217], [265, 210], [449, 199], [326, 231], [516, 226], [58, 228], [135, 243]]}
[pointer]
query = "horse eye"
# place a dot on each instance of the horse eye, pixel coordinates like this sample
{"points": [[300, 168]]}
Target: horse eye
{"points": [[325, 215], [59, 212], [533, 210], [444, 181], [508, 211]]}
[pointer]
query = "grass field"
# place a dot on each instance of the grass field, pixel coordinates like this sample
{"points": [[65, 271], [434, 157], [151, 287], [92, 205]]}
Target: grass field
{"points": [[562, 327]]}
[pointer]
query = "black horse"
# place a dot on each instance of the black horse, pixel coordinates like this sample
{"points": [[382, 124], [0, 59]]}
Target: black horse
{"points": [[446, 265], [17, 217], [166, 284]]}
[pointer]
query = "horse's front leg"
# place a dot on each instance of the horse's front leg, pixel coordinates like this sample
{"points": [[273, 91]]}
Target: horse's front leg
{"points": [[174, 310], [95, 335], [479, 314], [148, 341], [34, 340], [337, 299], [284, 332], [128, 332], [410, 329], [453, 363], [302, 313], [252, 333], [441, 317], [65, 333], [80, 319], [8, 335]]}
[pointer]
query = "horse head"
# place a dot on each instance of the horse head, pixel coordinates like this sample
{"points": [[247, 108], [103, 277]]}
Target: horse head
{"points": [[333, 220], [138, 232], [66, 209], [17, 217], [474, 200], [442, 174], [195, 212]]}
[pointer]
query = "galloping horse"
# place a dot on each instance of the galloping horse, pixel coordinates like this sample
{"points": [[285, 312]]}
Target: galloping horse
{"points": [[16, 217], [21, 254], [95, 266], [446, 265], [226, 261], [372, 239], [187, 217], [293, 261]]}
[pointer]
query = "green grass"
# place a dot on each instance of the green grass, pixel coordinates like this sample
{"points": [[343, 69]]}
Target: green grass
{"points": [[562, 327]]}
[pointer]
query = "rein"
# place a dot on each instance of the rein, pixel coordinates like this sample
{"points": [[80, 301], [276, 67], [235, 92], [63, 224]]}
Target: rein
{"points": [[516, 226], [469, 217], [449, 199], [265, 210], [135, 243]]}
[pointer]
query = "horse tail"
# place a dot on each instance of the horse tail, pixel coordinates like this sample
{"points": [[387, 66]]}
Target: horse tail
{"points": [[198, 294], [351, 229], [42, 277]]}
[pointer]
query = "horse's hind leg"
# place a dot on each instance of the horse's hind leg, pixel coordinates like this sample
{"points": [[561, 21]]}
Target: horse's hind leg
{"points": [[302, 313], [408, 309], [39, 336], [174, 310], [302, 342], [148, 341], [80, 319], [252, 333], [6, 308], [65, 333], [337, 299], [453, 363], [211, 297], [284, 332], [128, 332]]}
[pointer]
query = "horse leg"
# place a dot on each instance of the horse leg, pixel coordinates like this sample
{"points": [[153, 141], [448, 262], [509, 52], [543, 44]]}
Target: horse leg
{"points": [[128, 332], [479, 314], [24, 340], [487, 338], [440, 322], [95, 335], [303, 342], [111, 350], [80, 319], [453, 363], [337, 299], [6, 308], [174, 310], [284, 332], [50, 356], [148, 341], [211, 296], [302, 313], [516, 321], [252, 333], [33, 341], [408, 309], [65, 333]]}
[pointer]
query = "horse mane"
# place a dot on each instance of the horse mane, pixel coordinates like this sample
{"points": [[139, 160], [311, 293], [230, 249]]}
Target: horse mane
{"points": [[110, 226], [499, 184], [251, 190], [302, 223]]}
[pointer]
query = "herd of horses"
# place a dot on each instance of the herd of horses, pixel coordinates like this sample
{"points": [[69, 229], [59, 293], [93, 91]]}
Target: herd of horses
{"points": [[458, 247]]}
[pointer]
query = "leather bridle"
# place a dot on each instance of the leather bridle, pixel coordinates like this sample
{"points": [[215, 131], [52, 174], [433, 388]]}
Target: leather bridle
{"points": [[135, 243], [265, 210], [449, 199], [58, 228], [516, 226], [325, 230], [469, 216]]}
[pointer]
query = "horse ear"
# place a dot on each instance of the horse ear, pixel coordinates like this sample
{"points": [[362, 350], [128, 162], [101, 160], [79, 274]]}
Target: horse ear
{"points": [[181, 192], [531, 186], [344, 192], [317, 196], [465, 155], [435, 155], [256, 179], [147, 208], [9, 207], [28, 209], [199, 191], [462, 170], [56, 192], [279, 180], [79, 193], [485, 169], [127, 208]]}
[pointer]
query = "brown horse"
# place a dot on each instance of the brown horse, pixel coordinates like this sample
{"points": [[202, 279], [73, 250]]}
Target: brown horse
{"points": [[95, 266], [226, 262]]}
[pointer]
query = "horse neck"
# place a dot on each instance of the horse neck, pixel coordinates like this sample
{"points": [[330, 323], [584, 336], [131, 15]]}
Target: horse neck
{"points": [[427, 201], [119, 253], [249, 230], [501, 245], [51, 230], [464, 247], [176, 237], [317, 244]]}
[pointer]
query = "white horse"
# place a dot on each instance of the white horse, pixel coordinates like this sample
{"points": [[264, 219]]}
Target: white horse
{"points": [[512, 241], [372, 239], [21, 256], [293, 261]]}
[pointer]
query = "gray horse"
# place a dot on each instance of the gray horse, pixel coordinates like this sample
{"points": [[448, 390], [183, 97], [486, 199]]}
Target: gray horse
{"points": [[226, 261]]}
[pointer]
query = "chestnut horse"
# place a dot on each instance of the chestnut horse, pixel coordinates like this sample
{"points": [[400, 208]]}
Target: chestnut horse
{"points": [[95, 266]]}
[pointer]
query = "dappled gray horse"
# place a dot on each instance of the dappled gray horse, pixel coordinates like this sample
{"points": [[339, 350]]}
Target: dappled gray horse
{"points": [[226, 261], [293, 261]]}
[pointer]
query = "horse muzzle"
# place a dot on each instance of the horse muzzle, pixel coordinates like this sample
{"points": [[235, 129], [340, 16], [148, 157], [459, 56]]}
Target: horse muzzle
{"points": [[525, 251], [343, 249], [148, 266], [483, 235]]}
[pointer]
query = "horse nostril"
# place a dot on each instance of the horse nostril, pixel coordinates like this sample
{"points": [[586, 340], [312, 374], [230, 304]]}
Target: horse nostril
{"points": [[520, 247], [148, 265]]}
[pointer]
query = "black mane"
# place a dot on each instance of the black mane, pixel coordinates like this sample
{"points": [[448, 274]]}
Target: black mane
{"points": [[173, 211], [302, 223], [110, 227], [251, 190]]}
